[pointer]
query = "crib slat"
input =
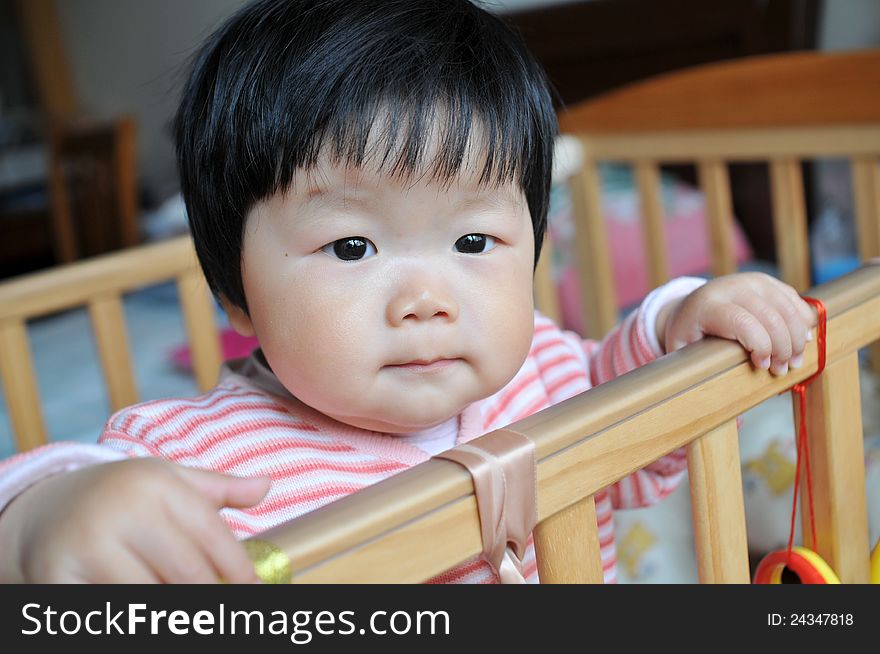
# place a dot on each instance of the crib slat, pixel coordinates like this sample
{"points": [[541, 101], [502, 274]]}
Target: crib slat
{"points": [[546, 297], [20, 386], [790, 222], [108, 325], [198, 315], [567, 546], [718, 511], [866, 192], [647, 175], [594, 265], [715, 184], [837, 457]]}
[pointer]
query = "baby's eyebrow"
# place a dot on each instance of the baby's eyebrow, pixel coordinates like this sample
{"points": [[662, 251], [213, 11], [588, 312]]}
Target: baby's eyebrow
{"points": [[494, 198], [336, 196]]}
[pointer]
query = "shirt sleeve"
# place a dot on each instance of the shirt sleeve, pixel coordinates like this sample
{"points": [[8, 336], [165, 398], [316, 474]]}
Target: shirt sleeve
{"points": [[632, 344], [19, 472]]}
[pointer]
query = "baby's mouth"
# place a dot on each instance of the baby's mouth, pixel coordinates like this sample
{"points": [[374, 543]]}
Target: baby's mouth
{"points": [[425, 365]]}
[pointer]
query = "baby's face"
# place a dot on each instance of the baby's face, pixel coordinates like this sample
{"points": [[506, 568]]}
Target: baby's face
{"points": [[386, 304]]}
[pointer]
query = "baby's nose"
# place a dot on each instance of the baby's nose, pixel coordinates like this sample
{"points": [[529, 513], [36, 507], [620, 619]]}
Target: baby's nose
{"points": [[422, 304]]}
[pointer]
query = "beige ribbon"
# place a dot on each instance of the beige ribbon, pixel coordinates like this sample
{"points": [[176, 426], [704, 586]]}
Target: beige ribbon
{"points": [[502, 464]]}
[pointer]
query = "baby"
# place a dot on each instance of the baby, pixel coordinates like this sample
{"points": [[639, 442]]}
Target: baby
{"points": [[367, 187]]}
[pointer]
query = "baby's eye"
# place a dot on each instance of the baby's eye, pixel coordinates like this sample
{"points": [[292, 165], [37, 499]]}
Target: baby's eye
{"points": [[474, 244], [352, 248]]}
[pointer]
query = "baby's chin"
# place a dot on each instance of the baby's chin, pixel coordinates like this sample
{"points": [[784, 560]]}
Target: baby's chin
{"points": [[398, 424]]}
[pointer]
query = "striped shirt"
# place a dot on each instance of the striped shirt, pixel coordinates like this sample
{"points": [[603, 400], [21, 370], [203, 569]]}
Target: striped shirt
{"points": [[250, 425]]}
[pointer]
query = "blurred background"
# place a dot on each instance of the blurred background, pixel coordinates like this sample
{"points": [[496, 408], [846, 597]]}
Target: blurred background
{"points": [[113, 67]]}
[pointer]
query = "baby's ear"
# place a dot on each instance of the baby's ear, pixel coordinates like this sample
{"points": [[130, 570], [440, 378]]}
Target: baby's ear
{"points": [[239, 320]]}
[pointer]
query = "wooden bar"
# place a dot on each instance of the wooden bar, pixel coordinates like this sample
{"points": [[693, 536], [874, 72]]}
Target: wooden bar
{"points": [[739, 144], [63, 287], [599, 304], [20, 386], [108, 325], [546, 295], [715, 183], [567, 546], [647, 175], [424, 520], [866, 195], [790, 222], [64, 237], [718, 511], [198, 315], [125, 164], [837, 456]]}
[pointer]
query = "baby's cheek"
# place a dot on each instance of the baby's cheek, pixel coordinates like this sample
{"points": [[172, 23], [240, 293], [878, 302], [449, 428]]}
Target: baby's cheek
{"points": [[507, 332]]}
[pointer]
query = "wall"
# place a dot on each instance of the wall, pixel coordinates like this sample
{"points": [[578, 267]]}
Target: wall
{"points": [[126, 56]]}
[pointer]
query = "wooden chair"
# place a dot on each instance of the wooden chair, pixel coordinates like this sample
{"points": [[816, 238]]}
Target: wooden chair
{"points": [[424, 521], [93, 186], [99, 284], [780, 109]]}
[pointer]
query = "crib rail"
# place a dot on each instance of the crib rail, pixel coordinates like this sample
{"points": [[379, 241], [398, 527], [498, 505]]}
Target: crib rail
{"points": [[711, 151], [99, 284], [419, 523]]}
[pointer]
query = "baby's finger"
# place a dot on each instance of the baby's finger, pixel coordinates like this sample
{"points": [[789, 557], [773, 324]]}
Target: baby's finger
{"points": [[170, 552], [805, 311], [796, 325], [777, 329], [119, 565], [216, 543], [734, 322], [225, 490]]}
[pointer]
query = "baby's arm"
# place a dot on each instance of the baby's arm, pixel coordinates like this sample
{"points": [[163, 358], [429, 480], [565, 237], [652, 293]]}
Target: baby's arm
{"points": [[766, 316], [630, 345], [72, 512]]}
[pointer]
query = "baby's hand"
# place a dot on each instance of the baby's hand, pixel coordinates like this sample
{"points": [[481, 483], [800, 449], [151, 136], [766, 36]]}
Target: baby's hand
{"points": [[138, 521], [766, 316]]}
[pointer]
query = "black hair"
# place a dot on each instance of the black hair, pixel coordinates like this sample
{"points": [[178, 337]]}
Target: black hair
{"points": [[283, 80]]}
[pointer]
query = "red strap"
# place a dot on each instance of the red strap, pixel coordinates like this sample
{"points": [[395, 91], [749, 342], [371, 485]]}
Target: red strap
{"points": [[803, 450]]}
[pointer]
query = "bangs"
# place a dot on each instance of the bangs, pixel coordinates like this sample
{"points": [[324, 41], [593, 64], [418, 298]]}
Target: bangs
{"points": [[422, 136]]}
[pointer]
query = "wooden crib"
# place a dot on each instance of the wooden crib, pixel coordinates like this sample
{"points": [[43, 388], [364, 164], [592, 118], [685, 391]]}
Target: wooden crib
{"points": [[780, 109], [99, 284], [424, 521]]}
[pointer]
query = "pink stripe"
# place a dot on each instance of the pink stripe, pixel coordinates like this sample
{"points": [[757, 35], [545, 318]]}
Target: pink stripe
{"points": [[221, 434], [605, 365], [644, 348], [285, 473], [183, 407], [275, 446], [637, 487], [634, 349], [215, 420], [547, 366], [456, 574], [534, 407], [509, 397], [119, 436], [576, 375], [537, 349]]}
